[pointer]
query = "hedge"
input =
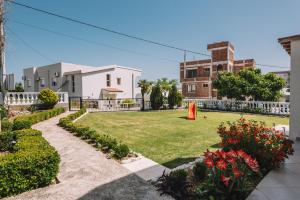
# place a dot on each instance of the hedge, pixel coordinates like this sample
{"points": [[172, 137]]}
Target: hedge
{"points": [[37, 117], [105, 143], [32, 163]]}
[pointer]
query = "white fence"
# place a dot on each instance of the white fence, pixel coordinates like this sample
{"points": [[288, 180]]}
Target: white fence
{"points": [[30, 98], [265, 107]]}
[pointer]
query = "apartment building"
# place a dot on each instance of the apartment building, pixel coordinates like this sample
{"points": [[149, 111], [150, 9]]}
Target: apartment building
{"points": [[107, 82], [196, 76]]}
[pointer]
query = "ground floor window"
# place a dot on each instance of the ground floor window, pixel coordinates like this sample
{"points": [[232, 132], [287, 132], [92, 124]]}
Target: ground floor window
{"points": [[205, 85]]}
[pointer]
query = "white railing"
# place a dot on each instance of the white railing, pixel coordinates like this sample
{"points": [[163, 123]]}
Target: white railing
{"points": [[30, 98], [265, 107]]}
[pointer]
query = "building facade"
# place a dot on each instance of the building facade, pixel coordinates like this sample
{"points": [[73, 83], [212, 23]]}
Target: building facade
{"points": [[286, 90], [196, 76], [292, 46], [108, 82]]}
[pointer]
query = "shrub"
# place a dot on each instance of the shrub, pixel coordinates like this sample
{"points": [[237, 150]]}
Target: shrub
{"points": [[121, 150], [6, 125], [33, 164], [48, 98], [104, 142], [199, 171], [156, 97], [7, 141], [41, 116], [175, 184], [231, 173], [172, 97], [3, 111], [21, 124], [268, 146]]}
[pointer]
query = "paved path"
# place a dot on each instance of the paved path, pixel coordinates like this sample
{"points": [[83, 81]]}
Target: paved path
{"points": [[282, 183], [86, 173]]}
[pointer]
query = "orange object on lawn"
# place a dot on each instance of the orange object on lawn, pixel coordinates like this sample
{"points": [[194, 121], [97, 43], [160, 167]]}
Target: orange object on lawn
{"points": [[192, 111]]}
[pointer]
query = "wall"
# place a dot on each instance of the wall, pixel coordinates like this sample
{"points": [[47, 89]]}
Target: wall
{"points": [[295, 90], [78, 85], [29, 74]]}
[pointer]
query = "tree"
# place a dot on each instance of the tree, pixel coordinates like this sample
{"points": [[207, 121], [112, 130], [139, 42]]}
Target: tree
{"points": [[145, 89], [251, 84], [173, 97], [19, 87], [156, 97]]}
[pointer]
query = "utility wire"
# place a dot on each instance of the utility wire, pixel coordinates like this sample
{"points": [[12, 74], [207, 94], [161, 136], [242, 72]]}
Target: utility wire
{"points": [[105, 29], [90, 41], [272, 66], [28, 45]]}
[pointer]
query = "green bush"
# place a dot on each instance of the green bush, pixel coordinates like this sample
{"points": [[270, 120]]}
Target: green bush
{"points": [[3, 111], [199, 171], [41, 116], [6, 125], [21, 124], [7, 141], [104, 142], [33, 164], [174, 184], [48, 98], [156, 97], [172, 97]]}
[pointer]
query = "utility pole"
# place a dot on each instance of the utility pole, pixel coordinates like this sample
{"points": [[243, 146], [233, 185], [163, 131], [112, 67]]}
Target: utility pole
{"points": [[2, 42]]}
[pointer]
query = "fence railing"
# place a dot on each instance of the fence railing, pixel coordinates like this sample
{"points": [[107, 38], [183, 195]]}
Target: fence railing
{"points": [[30, 98], [264, 107]]}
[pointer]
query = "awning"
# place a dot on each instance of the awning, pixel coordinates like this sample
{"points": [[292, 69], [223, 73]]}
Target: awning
{"points": [[111, 90]]}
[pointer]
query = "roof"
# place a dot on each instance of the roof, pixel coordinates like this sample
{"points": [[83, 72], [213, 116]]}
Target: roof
{"points": [[112, 89], [89, 69], [286, 42]]}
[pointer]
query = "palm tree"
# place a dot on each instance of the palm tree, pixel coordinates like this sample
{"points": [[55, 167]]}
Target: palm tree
{"points": [[145, 89]]}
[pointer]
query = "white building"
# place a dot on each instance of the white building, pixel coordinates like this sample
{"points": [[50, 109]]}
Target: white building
{"points": [[286, 90], [108, 82], [292, 45]]}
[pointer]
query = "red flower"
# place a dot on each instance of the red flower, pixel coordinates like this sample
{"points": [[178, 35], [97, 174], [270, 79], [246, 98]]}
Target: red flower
{"points": [[220, 154], [209, 163], [231, 153], [231, 160], [241, 153], [252, 163], [237, 173], [221, 164], [225, 180]]}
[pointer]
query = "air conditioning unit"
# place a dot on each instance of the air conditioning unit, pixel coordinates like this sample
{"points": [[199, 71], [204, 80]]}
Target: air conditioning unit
{"points": [[56, 74]]}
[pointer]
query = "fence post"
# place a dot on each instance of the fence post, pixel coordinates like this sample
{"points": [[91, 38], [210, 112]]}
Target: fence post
{"points": [[80, 98], [69, 103]]}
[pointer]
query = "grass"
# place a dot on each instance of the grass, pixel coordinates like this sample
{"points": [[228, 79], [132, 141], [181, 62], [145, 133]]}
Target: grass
{"points": [[167, 137]]}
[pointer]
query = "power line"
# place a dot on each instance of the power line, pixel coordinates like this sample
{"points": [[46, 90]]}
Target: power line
{"points": [[28, 45], [272, 66], [90, 41], [105, 29]]}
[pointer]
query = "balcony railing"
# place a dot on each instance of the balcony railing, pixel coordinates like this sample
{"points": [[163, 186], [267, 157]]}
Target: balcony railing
{"points": [[30, 98], [264, 107]]}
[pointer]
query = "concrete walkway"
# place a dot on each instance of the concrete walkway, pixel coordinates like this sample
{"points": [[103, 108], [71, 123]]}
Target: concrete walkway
{"points": [[86, 173], [283, 183]]}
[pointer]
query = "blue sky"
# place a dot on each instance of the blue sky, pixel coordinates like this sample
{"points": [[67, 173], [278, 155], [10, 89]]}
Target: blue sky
{"points": [[252, 26]]}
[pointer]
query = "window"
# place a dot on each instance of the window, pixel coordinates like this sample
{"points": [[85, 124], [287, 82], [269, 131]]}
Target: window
{"points": [[191, 73], [205, 85], [119, 81], [108, 80], [73, 83], [29, 83], [219, 68], [191, 88], [42, 82], [54, 82]]}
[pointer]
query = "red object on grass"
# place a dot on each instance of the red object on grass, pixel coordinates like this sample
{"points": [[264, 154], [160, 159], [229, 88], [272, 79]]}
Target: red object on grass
{"points": [[192, 111]]}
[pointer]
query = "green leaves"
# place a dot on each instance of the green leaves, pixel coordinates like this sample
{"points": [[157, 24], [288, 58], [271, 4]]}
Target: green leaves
{"points": [[48, 98], [251, 84]]}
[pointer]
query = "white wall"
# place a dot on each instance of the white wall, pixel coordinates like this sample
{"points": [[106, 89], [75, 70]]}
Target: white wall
{"points": [[295, 90], [78, 85], [94, 82], [29, 74]]}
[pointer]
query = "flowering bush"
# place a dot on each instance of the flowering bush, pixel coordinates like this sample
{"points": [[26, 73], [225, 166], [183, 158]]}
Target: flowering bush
{"points": [[268, 146], [230, 173]]}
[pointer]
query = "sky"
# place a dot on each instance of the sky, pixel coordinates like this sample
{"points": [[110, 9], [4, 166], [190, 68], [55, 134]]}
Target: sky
{"points": [[252, 26]]}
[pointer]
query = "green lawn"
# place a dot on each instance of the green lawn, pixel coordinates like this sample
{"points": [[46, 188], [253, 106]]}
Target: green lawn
{"points": [[166, 136]]}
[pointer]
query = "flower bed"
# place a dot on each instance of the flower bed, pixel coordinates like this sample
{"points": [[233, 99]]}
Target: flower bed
{"points": [[249, 151], [31, 163], [106, 143]]}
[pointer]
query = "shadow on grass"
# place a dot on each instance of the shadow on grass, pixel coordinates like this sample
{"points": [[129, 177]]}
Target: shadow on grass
{"points": [[217, 146], [183, 117], [178, 161]]}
